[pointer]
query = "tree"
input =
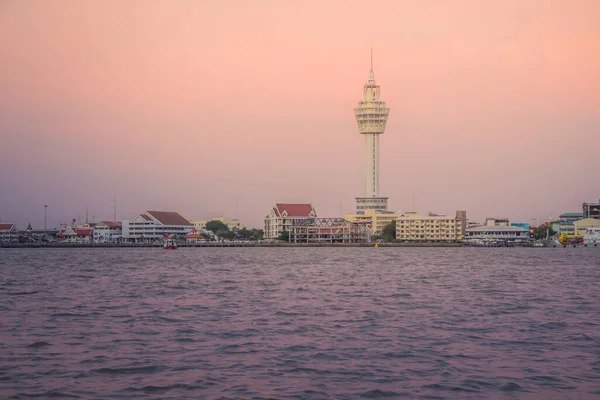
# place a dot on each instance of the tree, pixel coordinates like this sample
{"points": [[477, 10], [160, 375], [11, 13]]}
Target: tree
{"points": [[284, 235], [217, 227], [257, 234], [389, 232]]}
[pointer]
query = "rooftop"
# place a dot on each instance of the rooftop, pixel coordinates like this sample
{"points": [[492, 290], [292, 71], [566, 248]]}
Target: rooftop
{"points": [[168, 218]]}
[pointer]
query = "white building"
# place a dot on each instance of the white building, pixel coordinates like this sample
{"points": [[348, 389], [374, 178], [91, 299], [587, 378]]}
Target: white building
{"points": [[82, 233], [486, 234], [433, 227], [282, 217], [153, 225], [371, 117], [108, 232], [8, 233]]}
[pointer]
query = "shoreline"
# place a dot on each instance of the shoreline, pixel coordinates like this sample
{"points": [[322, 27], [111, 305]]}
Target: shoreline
{"points": [[200, 245]]}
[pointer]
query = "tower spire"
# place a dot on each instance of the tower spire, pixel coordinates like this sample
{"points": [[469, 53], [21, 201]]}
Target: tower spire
{"points": [[371, 58]]}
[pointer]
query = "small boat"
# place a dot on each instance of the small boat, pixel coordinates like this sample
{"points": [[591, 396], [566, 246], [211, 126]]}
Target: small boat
{"points": [[169, 244]]}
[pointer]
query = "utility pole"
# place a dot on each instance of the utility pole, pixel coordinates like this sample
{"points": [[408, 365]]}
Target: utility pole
{"points": [[45, 213], [115, 209]]}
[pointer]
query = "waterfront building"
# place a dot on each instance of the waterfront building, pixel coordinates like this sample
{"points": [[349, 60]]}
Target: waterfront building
{"points": [[375, 220], [490, 234], [570, 217], [82, 233], [282, 216], [8, 233], [151, 226], [371, 117], [328, 230], [232, 223], [579, 227], [496, 222], [108, 232], [433, 227], [591, 210]]}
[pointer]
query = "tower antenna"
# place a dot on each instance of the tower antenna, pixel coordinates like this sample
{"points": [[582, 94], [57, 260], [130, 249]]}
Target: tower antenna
{"points": [[115, 209], [371, 58]]}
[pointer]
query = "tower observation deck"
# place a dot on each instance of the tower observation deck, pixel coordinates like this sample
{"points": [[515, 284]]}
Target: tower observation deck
{"points": [[371, 117]]}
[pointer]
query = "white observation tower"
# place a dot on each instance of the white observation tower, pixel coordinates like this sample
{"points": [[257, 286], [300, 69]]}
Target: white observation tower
{"points": [[371, 116]]}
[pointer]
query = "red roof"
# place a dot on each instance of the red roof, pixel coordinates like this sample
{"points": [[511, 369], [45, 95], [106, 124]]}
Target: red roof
{"points": [[83, 231], [295, 210], [169, 218], [111, 224], [6, 227]]}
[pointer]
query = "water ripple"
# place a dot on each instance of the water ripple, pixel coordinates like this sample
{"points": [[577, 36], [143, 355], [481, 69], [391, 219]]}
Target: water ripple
{"points": [[314, 323]]}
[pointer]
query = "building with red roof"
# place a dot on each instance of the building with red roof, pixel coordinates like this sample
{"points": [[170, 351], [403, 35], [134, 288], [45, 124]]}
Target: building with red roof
{"points": [[282, 217], [150, 226], [108, 232], [80, 234], [8, 233]]}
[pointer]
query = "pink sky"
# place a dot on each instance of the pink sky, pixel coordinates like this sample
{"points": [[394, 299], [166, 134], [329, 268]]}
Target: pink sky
{"points": [[196, 106]]}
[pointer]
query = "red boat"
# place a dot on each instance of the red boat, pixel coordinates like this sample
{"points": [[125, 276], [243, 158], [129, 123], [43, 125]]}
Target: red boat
{"points": [[169, 244]]}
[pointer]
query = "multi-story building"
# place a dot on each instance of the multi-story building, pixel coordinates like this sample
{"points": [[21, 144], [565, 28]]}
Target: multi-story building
{"points": [[591, 210], [433, 227], [328, 230], [375, 220], [490, 234], [282, 216], [8, 233], [579, 227], [153, 225], [232, 223], [108, 232]]}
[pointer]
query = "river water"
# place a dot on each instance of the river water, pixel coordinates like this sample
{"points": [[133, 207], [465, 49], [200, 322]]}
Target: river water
{"points": [[290, 323]]}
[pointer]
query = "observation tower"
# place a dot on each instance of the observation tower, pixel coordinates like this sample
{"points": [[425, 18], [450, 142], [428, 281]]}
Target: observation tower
{"points": [[371, 116]]}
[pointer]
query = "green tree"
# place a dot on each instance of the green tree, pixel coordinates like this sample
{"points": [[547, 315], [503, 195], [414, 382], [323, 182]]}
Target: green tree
{"points": [[217, 227], [284, 235], [257, 234], [389, 232]]}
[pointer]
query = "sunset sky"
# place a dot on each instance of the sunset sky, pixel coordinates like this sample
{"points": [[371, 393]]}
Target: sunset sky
{"points": [[219, 107]]}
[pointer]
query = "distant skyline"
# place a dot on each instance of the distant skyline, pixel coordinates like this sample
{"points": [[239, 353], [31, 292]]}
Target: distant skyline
{"points": [[222, 108]]}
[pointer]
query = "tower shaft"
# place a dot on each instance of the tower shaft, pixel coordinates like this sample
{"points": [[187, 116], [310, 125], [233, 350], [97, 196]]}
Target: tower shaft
{"points": [[371, 165]]}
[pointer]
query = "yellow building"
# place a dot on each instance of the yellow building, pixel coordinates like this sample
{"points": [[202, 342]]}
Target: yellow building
{"points": [[582, 225], [433, 227], [376, 219], [232, 223]]}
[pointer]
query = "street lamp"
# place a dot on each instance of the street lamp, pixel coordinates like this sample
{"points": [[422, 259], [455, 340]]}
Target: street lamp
{"points": [[45, 213]]}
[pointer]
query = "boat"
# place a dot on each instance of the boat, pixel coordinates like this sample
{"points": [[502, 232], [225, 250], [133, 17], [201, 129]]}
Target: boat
{"points": [[169, 243], [591, 238], [570, 240]]}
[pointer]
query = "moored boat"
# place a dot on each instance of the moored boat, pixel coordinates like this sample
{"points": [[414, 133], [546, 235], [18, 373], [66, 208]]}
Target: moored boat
{"points": [[169, 243]]}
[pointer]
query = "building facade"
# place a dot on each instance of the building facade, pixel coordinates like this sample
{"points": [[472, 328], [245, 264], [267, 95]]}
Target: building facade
{"points": [[579, 227], [491, 234], [591, 210], [151, 226], [411, 226], [232, 223], [328, 230], [282, 217], [375, 220], [82, 233], [8, 233], [371, 117], [108, 232]]}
